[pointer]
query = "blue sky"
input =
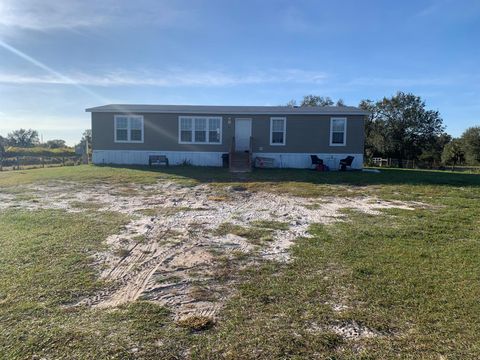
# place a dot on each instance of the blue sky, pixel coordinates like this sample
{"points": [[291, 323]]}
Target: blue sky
{"points": [[59, 57]]}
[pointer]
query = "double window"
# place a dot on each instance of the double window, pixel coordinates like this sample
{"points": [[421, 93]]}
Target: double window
{"points": [[338, 131], [129, 128], [278, 130], [200, 130]]}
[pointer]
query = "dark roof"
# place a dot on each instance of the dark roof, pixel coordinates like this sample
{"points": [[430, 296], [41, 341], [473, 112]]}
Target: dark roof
{"points": [[234, 110]]}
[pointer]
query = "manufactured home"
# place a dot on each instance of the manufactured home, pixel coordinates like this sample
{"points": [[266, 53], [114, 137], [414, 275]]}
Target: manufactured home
{"points": [[279, 136]]}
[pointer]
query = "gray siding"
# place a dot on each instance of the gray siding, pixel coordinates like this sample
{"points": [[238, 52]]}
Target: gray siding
{"points": [[305, 134]]}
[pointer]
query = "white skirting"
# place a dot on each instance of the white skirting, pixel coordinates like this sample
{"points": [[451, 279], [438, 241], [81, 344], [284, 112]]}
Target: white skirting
{"points": [[201, 158], [140, 157], [303, 160]]}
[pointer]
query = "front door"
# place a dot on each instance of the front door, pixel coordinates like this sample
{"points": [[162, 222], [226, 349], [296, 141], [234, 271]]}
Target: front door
{"points": [[243, 132]]}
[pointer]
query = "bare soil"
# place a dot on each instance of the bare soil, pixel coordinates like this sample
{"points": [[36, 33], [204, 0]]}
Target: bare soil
{"points": [[171, 253]]}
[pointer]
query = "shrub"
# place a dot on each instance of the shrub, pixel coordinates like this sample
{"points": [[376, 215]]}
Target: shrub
{"points": [[39, 151]]}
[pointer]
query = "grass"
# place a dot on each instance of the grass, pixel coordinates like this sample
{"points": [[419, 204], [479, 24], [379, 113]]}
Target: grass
{"points": [[26, 196], [411, 275], [45, 266], [196, 323], [390, 182], [86, 205], [258, 233]]}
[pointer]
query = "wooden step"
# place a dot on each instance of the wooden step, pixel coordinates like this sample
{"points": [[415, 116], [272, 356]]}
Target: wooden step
{"points": [[239, 162]]}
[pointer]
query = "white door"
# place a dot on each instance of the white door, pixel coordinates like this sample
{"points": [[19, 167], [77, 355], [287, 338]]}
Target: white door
{"points": [[243, 131]]}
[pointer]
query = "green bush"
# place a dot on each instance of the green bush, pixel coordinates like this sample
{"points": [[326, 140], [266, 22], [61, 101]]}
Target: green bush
{"points": [[39, 151]]}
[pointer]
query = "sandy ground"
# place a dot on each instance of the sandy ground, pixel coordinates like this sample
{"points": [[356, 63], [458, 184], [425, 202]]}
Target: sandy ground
{"points": [[170, 252]]}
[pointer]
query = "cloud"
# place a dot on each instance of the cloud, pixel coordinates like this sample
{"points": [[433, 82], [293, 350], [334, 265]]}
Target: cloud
{"points": [[449, 10], [45, 15], [172, 78], [400, 82]]}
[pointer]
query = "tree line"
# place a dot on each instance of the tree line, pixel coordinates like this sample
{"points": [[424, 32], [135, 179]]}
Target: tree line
{"points": [[402, 128], [29, 139]]}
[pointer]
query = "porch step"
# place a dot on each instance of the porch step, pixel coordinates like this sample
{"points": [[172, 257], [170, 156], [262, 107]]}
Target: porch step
{"points": [[239, 162]]}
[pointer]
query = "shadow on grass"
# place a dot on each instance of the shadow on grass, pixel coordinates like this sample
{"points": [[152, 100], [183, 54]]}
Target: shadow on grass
{"points": [[354, 178]]}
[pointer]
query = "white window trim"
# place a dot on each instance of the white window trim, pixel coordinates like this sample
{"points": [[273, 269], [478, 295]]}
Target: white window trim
{"points": [[193, 130], [344, 132], [128, 129], [284, 130]]}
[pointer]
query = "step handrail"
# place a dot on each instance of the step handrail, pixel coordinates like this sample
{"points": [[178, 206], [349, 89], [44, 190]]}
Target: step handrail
{"points": [[232, 151], [250, 150]]}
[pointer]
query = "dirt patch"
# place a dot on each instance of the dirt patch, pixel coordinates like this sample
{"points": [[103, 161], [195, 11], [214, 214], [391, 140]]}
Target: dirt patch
{"points": [[349, 330], [178, 241], [354, 330]]}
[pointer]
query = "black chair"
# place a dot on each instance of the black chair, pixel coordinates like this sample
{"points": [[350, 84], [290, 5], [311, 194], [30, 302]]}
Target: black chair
{"points": [[316, 160], [347, 162]]}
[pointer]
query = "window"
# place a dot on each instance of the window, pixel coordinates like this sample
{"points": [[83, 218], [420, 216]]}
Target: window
{"points": [[200, 130], [121, 124], [129, 128], [214, 131], [338, 131], [278, 129], [186, 129]]}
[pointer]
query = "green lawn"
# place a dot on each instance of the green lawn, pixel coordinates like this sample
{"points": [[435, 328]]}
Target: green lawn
{"points": [[411, 276]]}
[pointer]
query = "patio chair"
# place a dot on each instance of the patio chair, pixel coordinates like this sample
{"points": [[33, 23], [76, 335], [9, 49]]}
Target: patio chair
{"points": [[316, 160], [347, 162]]}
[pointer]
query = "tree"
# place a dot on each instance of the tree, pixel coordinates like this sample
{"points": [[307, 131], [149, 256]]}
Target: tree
{"points": [[431, 154], [23, 138], [471, 144], [56, 144], [3, 144], [314, 100], [340, 102], [292, 103], [86, 139], [407, 126], [374, 130], [453, 153]]}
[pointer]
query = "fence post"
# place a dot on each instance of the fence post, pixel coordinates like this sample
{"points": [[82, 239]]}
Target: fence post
{"points": [[43, 162], [1, 163], [63, 160], [18, 162]]}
